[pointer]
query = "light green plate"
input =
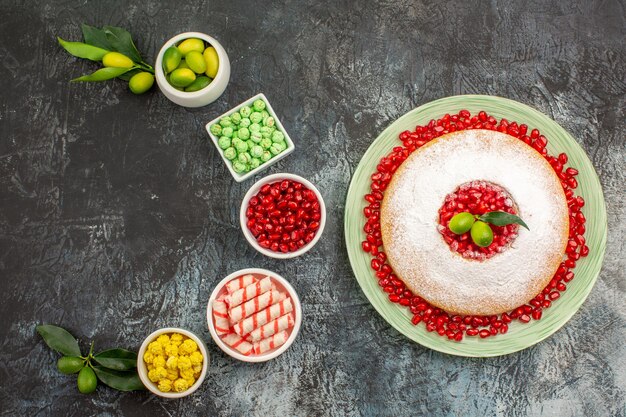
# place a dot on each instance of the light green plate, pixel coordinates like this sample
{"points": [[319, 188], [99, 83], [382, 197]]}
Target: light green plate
{"points": [[519, 336]]}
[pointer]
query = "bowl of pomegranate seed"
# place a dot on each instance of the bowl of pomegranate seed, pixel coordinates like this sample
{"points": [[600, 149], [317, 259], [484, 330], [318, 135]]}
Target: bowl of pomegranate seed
{"points": [[283, 215]]}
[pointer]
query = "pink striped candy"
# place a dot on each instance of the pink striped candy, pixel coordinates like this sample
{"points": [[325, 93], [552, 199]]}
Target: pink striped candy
{"points": [[220, 317], [249, 292], [248, 324], [270, 343], [271, 328], [240, 282], [238, 343], [255, 305]]}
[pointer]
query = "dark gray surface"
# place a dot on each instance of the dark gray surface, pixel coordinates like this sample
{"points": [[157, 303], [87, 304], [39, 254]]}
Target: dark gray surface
{"points": [[117, 217]]}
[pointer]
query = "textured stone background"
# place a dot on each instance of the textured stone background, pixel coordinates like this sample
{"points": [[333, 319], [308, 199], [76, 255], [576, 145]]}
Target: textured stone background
{"points": [[117, 217]]}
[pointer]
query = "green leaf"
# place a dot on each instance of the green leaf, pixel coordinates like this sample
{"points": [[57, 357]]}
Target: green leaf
{"points": [[82, 50], [96, 37], [501, 218], [128, 75], [118, 359], [121, 381], [103, 74], [122, 42], [59, 339]]}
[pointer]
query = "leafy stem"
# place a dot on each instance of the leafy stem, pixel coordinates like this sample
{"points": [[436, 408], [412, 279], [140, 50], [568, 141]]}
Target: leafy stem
{"points": [[501, 218]]}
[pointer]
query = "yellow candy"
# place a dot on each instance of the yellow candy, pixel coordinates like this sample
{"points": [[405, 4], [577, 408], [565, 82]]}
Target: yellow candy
{"points": [[153, 376], [148, 357], [155, 348], [159, 361], [180, 385], [172, 375], [184, 363], [171, 349], [160, 372], [150, 366], [163, 339], [165, 385], [172, 363], [196, 358], [188, 346], [186, 374], [190, 381]]}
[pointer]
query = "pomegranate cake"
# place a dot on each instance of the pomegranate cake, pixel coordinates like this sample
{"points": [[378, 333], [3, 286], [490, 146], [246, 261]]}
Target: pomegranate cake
{"points": [[477, 172]]}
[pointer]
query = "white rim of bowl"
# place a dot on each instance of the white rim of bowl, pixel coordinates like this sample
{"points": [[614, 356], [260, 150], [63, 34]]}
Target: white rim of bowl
{"points": [[160, 74], [142, 369], [297, 309], [254, 190]]}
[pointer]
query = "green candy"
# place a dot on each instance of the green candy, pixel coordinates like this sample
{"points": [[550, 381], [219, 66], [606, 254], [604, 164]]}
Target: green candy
{"points": [[224, 142], [245, 111], [244, 133], [256, 151], [216, 129], [228, 132], [250, 144], [256, 137], [266, 132], [230, 153], [269, 121], [275, 149], [236, 141], [266, 156], [265, 114], [236, 118], [241, 146], [278, 136], [245, 122], [265, 143], [258, 105], [256, 117], [244, 158], [282, 145], [239, 167], [226, 121], [255, 127], [235, 134], [255, 162]]}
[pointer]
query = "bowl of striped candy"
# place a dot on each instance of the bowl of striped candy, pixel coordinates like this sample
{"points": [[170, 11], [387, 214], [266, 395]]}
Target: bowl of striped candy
{"points": [[254, 315]]}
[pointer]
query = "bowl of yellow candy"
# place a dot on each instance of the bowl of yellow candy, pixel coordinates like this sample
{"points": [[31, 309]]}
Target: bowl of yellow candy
{"points": [[172, 362], [192, 69]]}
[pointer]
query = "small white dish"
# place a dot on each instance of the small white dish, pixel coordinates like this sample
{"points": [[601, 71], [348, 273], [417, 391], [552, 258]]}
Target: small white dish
{"points": [[243, 220], [281, 282], [197, 98], [142, 370], [281, 128]]}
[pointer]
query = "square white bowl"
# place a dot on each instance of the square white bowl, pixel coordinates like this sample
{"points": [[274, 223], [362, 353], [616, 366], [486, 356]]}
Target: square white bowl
{"points": [[281, 128]]}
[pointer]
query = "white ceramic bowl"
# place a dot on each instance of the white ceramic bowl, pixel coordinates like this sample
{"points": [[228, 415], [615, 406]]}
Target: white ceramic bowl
{"points": [[279, 125], [297, 311], [197, 98], [243, 220], [142, 370]]}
